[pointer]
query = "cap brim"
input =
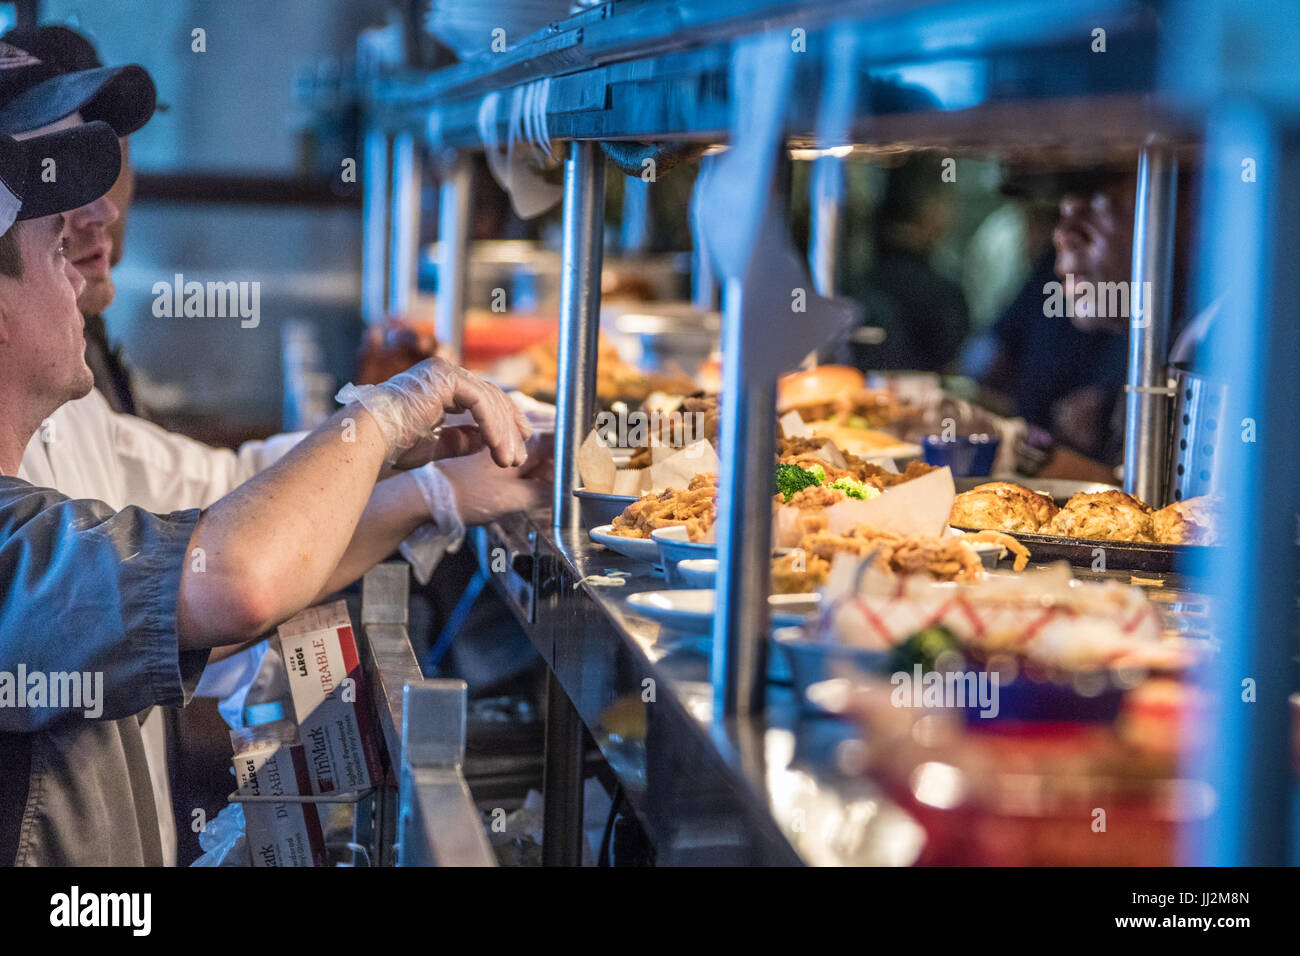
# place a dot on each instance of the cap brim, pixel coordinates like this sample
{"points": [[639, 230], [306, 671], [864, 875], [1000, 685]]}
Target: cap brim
{"points": [[86, 161], [124, 97]]}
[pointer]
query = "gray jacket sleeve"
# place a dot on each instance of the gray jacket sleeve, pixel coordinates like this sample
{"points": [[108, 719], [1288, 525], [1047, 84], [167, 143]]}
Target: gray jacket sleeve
{"points": [[91, 591]]}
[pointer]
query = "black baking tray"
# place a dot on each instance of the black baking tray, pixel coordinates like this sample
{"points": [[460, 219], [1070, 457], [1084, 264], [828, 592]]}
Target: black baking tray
{"points": [[1120, 555]]}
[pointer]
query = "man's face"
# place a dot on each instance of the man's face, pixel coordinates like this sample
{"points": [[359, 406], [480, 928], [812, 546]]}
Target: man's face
{"points": [[120, 195], [1094, 243], [44, 338], [92, 231], [90, 248]]}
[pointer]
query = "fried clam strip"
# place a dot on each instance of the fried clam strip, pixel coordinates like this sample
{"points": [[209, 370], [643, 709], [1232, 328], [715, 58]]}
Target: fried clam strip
{"points": [[695, 419], [1008, 542], [791, 446], [695, 508], [943, 558], [798, 573]]}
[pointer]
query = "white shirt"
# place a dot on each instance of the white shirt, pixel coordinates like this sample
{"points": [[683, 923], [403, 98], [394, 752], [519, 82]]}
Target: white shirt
{"points": [[87, 450]]}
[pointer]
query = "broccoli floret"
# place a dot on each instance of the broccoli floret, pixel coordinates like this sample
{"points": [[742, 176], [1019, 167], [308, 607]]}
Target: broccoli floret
{"points": [[792, 478], [854, 488]]}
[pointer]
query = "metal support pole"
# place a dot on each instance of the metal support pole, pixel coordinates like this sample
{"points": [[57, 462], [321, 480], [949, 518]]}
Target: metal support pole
{"points": [[582, 250], [825, 225], [637, 230], [374, 212], [741, 621], [453, 266], [561, 780], [1244, 745], [405, 234], [704, 284], [1146, 406], [825, 228], [704, 281]]}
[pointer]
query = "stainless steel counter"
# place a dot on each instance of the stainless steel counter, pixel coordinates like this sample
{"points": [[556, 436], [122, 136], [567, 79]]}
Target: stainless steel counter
{"points": [[762, 790], [780, 788]]}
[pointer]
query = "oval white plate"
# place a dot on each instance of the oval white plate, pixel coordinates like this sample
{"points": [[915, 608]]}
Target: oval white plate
{"points": [[691, 609], [642, 549], [698, 572]]}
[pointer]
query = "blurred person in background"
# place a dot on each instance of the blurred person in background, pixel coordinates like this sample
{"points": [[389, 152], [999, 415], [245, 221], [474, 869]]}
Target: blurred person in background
{"points": [[1065, 373], [923, 312], [1033, 357]]}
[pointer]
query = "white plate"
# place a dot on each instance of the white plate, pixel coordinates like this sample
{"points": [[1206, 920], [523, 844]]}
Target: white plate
{"points": [[642, 549], [698, 572], [691, 609]]}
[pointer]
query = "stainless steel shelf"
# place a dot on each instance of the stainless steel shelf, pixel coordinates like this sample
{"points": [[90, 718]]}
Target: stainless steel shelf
{"points": [[658, 70], [1015, 77]]}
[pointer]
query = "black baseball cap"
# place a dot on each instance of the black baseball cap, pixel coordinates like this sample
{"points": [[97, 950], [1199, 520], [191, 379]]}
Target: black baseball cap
{"points": [[56, 172], [61, 46], [35, 93]]}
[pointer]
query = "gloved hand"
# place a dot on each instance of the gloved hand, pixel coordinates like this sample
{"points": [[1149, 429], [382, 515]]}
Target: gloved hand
{"points": [[478, 491], [473, 490], [410, 405]]}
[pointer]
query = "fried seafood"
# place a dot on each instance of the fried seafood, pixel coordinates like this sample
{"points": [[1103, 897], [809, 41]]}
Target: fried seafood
{"points": [[615, 378], [789, 446], [695, 419], [799, 573], [1103, 516], [1002, 506], [1011, 544], [943, 558], [1194, 521], [883, 479], [695, 508]]}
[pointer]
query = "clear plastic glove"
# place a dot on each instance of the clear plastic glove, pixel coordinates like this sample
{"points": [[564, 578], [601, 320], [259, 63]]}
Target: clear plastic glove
{"points": [[223, 840], [412, 404], [473, 490], [481, 491]]}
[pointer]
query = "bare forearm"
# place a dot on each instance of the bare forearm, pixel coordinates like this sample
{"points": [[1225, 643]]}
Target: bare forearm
{"points": [[269, 547], [395, 509]]}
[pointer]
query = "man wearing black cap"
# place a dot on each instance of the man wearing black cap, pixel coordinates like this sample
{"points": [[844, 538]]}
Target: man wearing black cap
{"points": [[106, 613], [84, 449], [123, 97]]}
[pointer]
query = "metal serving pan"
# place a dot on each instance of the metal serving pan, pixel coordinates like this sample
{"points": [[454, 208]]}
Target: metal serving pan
{"points": [[1119, 555]]}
